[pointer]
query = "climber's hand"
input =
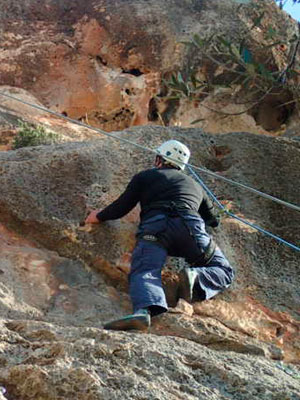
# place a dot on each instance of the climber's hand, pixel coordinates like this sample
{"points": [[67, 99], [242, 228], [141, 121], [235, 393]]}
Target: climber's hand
{"points": [[92, 217]]}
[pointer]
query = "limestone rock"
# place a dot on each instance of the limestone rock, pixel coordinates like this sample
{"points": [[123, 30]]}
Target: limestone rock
{"points": [[49, 361], [104, 61], [13, 112], [68, 179]]}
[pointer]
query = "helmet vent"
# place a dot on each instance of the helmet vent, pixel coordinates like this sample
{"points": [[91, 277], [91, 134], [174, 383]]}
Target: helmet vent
{"points": [[178, 151]]}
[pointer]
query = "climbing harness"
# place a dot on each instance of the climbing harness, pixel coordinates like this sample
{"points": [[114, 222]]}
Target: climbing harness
{"points": [[178, 209], [169, 207], [190, 167]]}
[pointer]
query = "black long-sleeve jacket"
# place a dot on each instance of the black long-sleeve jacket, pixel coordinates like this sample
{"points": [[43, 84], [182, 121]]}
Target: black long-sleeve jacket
{"points": [[163, 185]]}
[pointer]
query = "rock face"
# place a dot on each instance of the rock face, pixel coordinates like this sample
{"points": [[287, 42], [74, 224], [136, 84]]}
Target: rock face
{"points": [[103, 61], [13, 112], [60, 281], [55, 363]]}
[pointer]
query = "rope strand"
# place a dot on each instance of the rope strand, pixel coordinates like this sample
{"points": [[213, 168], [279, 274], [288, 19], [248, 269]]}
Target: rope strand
{"points": [[204, 170], [245, 222]]}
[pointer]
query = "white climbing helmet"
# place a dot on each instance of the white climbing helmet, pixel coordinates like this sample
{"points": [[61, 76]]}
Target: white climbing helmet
{"points": [[175, 153]]}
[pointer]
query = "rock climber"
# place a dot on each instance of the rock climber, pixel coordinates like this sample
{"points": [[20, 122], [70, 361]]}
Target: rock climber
{"points": [[174, 212]]}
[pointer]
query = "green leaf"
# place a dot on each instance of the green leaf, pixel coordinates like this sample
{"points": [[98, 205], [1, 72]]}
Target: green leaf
{"points": [[174, 80], [174, 86], [186, 43], [264, 72], [251, 70], [246, 55], [235, 51], [180, 78], [245, 82], [172, 97], [180, 87], [242, 46], [210, 38], [185, 89], [197, 120], [271, 32], [224, 41], [197, 41], [293, 72], [193, 80], [241, 2]]}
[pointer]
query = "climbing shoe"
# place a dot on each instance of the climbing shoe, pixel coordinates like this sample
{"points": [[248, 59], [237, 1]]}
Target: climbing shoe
{"points": [[187, 278], [140, 321]]}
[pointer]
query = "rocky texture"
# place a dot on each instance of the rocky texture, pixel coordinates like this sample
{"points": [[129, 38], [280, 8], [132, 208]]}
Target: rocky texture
{"points": [[52, 362], [103, 61], [39, 284], [60, 280], [13, 112]]}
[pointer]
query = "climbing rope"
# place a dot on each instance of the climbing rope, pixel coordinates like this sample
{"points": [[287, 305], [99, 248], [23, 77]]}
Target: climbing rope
{"points": [[204, 170], [223, 208], [190, 167]]}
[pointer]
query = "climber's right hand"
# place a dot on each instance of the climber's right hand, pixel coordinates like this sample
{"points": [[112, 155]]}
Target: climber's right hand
{"points": [[92, 217]]}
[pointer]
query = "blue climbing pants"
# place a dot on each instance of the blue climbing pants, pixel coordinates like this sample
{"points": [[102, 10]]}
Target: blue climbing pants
{"points": [[181, 236]]}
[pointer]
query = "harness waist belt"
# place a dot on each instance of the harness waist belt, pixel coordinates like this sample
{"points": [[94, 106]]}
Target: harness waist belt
{"points": [[170, 207]]}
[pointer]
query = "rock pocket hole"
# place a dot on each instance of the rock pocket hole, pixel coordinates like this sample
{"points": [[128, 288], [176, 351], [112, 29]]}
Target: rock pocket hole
{"points": [[274, 111], [133, 71], [153, 110], [101, 60], [222, 151]]}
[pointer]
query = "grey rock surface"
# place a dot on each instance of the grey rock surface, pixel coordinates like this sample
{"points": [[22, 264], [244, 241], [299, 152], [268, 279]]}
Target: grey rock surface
{"points": [[61, 281]]}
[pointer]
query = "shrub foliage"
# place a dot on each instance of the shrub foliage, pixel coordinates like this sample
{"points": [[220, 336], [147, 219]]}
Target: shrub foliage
{"points": [[33, 135]]}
